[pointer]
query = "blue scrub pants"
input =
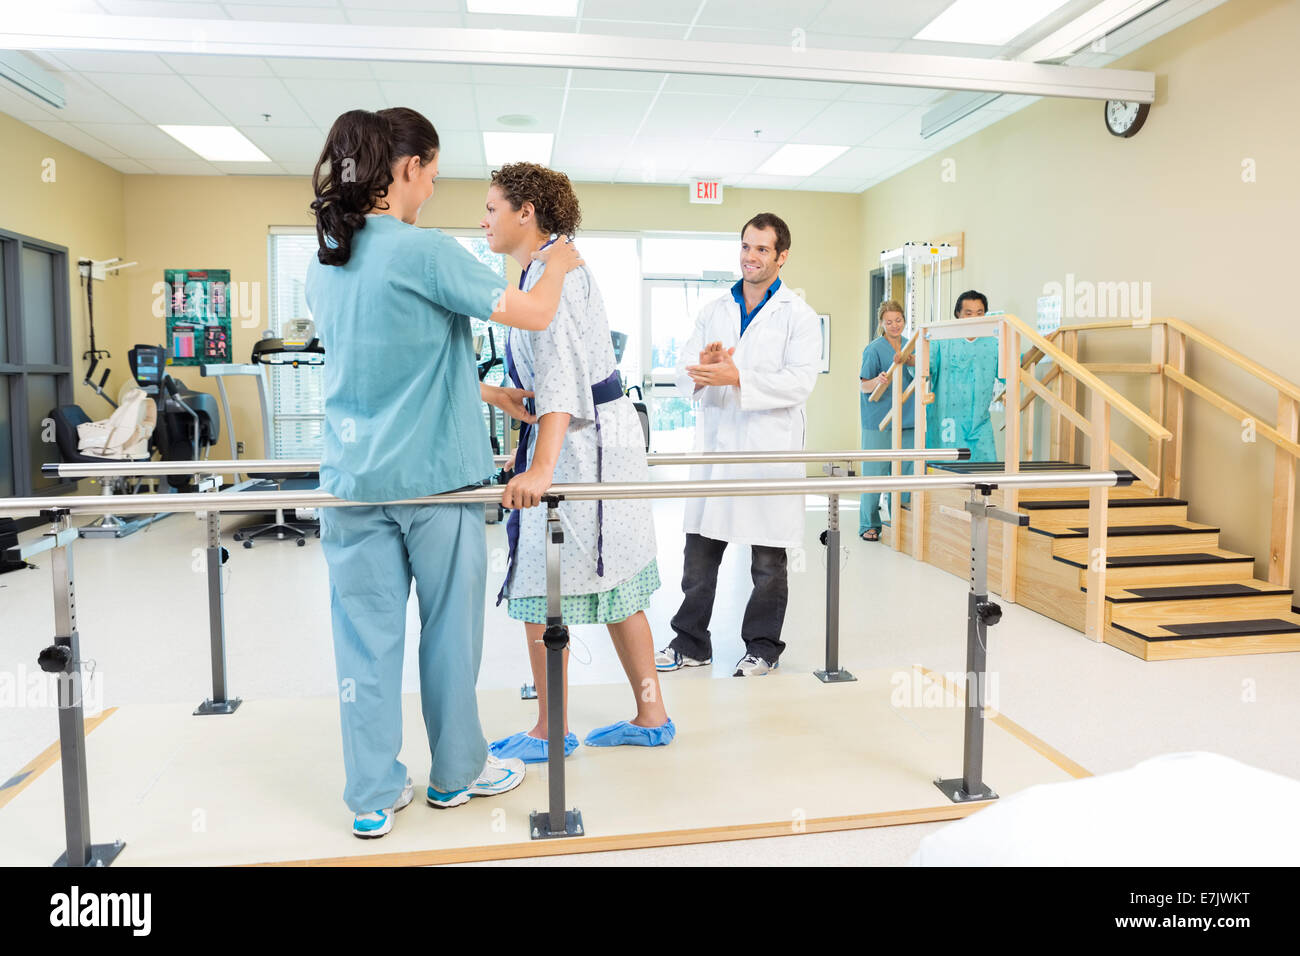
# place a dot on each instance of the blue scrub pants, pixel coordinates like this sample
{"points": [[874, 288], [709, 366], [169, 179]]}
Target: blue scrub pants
{"points": [[869, 506], [373, 552]]}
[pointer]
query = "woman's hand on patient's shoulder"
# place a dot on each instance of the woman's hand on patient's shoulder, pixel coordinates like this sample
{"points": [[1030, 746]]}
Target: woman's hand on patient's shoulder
{"points": [[525, 489], [561, 254]]}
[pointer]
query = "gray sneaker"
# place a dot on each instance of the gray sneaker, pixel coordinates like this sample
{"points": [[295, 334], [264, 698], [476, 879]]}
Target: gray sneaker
{"points": [[669, 659], [752, 666]]}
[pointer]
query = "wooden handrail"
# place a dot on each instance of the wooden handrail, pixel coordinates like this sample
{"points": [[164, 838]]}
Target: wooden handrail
{"points": [[1236, 411], [1086, 378], [889, 415], [1124, 368], [903, 354], [1045, 381], [1235, 357]]}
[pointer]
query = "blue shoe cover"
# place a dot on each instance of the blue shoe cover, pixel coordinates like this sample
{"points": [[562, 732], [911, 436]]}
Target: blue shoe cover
{"points": [[627, 733], [528, 749]]}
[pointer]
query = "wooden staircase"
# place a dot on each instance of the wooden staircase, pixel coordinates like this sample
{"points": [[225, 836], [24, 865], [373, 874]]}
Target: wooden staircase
{"points": [[1171, 590]]}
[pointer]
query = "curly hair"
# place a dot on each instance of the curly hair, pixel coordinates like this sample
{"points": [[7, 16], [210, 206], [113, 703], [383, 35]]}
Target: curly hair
{"points": [[355, 170], [550, 192]]}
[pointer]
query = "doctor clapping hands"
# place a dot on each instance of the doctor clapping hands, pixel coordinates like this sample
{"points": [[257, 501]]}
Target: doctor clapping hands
{"points": [[759, 351]]}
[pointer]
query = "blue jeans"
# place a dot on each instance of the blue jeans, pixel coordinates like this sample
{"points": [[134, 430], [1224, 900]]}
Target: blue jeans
{"points": [[373, 553], [869, 505]]}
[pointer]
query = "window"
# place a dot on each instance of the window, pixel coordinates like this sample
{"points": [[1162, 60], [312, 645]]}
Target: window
{"points": [[297, 394]]}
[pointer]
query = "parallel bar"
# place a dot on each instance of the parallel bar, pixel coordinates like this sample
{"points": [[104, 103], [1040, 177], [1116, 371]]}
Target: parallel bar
{"points": [[587, 491], [293, 465]]}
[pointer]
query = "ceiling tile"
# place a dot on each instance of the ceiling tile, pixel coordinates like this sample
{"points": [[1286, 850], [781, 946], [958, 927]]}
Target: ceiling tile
{"points": [[84, 61], [183, 167], [127, 166], [776, 120], [138, 140], [434, 74], [157, 98], [662, 11], [244, 100], [250, 169], [523, 78], [439, 6], [309, 68], [541, 104], [460, 147], [325, 100], [298, 169], [405, 18], [849, 124], [800, 90], [616, 112], [633, 174], [597, 175], [833, 184], [650, 157], [194, 64], [770, 182], [615, 80], [509, 21], [689, 116], [699, 83], [23, 106], [721, 157], [79, 140], [862, 162], [591, 151], [896, 20], [87, 103], [449, 105], [286, 144], [903, 133], [730, 14]]}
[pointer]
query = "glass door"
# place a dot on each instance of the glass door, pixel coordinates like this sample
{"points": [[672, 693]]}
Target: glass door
{"points": [[669, 312]]}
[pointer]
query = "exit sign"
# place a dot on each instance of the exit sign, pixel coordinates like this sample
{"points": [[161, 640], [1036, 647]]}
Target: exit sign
{"points": [[707, 191]]}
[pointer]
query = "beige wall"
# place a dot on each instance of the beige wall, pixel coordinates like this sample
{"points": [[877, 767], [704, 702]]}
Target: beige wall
{"points": [[223, 222], [1048, 192], [78, 206]]}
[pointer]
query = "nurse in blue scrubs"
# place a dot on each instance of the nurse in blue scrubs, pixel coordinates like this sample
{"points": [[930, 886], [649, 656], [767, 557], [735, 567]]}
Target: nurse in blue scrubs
{"points": [[403, 419], [878, 357], [963, 377]]}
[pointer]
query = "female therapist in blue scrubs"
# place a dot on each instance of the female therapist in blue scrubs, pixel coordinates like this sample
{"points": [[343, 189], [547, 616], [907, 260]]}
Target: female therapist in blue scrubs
{"points": [[877, 358], [403, 420]]}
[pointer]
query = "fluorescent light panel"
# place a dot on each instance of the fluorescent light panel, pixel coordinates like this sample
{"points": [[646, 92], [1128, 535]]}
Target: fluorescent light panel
{"points": [[992, 22], [502, 148], [798, 159], [217, 143], [532, 8]]}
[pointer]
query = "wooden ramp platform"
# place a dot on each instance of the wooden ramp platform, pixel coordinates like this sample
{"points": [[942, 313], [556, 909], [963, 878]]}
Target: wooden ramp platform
{"points": [[770, 756]]}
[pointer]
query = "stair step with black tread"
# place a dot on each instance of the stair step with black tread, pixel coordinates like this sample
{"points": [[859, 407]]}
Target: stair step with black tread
{"points": [[1251, 626]]}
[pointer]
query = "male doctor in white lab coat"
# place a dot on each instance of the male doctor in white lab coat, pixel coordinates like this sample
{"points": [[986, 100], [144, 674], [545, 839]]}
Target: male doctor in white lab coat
{"points": [[750, 366]]}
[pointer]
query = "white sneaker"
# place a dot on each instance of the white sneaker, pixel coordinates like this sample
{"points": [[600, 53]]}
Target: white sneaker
{"points": [[498, 776], [669, 659], [752, 666], [378, 822]]}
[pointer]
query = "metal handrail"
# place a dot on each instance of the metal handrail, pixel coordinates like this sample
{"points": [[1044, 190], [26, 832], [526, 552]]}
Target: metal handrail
{"points": [[587, 491], [287, 465]]}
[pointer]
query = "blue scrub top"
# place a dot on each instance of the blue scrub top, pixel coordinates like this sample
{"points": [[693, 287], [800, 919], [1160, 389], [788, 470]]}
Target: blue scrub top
{"points": [[877, 357], [403, 416]]}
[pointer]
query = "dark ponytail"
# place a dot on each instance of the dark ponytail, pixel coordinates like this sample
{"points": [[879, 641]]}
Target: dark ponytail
{"points": [[355, 169]]}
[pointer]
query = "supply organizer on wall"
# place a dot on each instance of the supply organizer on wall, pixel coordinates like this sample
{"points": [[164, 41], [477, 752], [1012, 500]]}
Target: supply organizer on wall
{"points": [[198, 316]]}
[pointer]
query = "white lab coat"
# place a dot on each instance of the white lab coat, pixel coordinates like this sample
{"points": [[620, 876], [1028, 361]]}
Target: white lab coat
{"points": [[779, 358]]}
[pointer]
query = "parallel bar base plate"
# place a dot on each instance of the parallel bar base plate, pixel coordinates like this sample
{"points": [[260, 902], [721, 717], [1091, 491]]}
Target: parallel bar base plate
{"points": [[101, 854], [840, 676], [955, 790], [539, 825], [210, 706]]}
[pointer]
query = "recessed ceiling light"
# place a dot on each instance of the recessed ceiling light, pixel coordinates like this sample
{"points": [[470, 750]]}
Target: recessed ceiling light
{"points": [[992, 22], [502, 148], [797, 159], [516, 119], [217, 143], [535, 8]]}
